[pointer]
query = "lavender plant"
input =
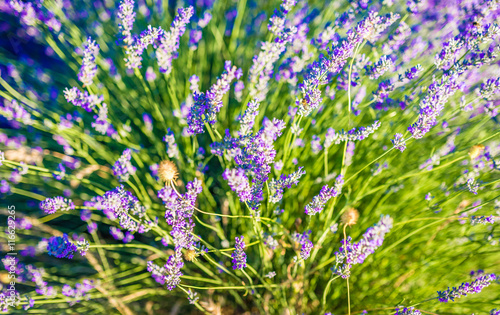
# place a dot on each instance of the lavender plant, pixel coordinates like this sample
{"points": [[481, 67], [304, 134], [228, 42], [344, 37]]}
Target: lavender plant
{"points": [[249, 157]]}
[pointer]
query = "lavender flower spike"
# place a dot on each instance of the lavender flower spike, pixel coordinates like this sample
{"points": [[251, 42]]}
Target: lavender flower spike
{"points": [[474, 220], [89, 67], [239, 256], [399, 142], [481, 281], [61, 247], [126, 15], [172, 149], [169, 42], [407, 311], [318, 203], [357, 252], [52, 205], [238, 182], [123, 168], [207, 105], [277, 186]]}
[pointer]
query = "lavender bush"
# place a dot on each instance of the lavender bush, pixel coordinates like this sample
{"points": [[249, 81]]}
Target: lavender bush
{"points": [[250, 157]]}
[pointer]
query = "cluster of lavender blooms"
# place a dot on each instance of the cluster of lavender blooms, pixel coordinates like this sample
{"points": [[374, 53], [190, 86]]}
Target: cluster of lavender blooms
{"points": [[407, 311], [277, 186], [172, 149], [63, 247], [178, 214], [169, 41], [207, 105], [355, 134], [399, 142], [239, 256], [123, 168], [379, 68], [83, 99], [481, 280], [136, 45], [79, 292], [306, 245], [297, 64], [256, 154], [318, 203], [89, 67], [238, 182], [357, 252], [121, 204], [59, 203], [263, 63], [368, 29], [14, 111], [474, 220]]}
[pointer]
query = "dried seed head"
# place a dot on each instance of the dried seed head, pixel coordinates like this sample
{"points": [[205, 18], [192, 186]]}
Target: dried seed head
{"points": [[190, 254], [350, 217], [167, 171], [475, 151]]}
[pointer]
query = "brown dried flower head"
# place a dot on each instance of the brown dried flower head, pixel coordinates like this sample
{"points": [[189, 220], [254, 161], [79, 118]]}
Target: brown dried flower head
{"points": [[190, 255], [476, 151], [350, 217], [167, 171]]}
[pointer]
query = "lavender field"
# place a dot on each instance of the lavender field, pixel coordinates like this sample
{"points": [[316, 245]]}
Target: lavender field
{"points": [[250, 157]]}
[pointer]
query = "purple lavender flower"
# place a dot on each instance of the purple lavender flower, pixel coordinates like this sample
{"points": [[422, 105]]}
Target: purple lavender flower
{"points": [[433, 103], [134, 52], [148, 122], [263, 63], [407, 311], [399, 142], [489, 89], [481, 281], [102, 124], [123, 168], [318, 203], [52, 205], [472, 185], [194, 37], [238, 182], [413, 72], [92, 227], [82, 99], [369, 29], [378, 69], [277, 187], [495, 312], [120, 203], [89, 67], [448, 55], [357, 252], [258, 154], [116, 233], [179, 210], [238, 255], [208, 104], [169, 42], [79, 293], [61, 247], [172, 149], [247, 121], [305, 242], [316, 146], [126, 15], [474, 220], [14, 111], [355, 134]]}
